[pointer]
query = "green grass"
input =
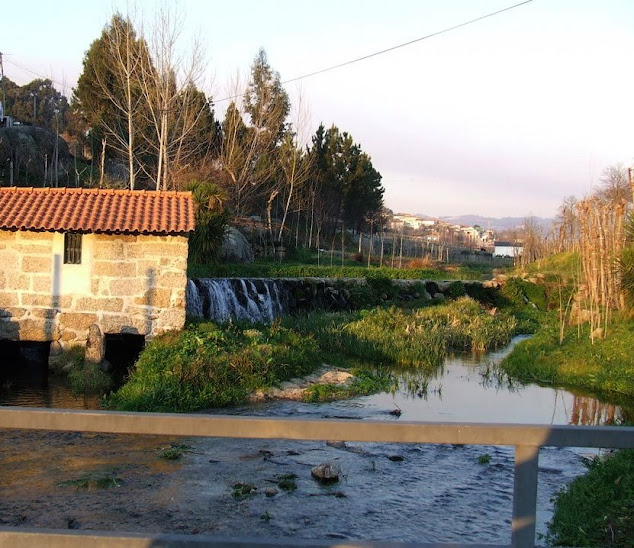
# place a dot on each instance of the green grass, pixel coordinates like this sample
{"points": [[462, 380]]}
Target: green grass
{"points": [[89, 379], [421, 337], [597, 509], [175, 451], [240, 490], [271, 269], [100, 479], [83, 378], [71, 358], [560, 265], [393, 336], [287, 482], [605, 366]]}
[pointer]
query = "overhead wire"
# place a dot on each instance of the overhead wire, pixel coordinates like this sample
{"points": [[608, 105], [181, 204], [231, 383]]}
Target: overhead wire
{"points": [[387, 50], [33, 73]]}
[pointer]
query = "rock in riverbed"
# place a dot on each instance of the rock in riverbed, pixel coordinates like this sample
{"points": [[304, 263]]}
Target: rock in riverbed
{"points": [[327, 472]]}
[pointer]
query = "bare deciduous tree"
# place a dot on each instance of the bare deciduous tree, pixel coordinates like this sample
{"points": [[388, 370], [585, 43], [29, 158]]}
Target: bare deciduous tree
{"points": [[602, 240], [295, 163], [109, 93], [175, 108], [615, 185]]}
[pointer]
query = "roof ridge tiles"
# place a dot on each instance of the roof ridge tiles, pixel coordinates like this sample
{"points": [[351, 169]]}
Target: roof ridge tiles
{"points": [[96, 210], [81, 190]]}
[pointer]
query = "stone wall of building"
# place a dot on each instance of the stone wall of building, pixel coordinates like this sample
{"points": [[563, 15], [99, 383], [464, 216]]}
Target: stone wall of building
{"points": [[124, 284]]}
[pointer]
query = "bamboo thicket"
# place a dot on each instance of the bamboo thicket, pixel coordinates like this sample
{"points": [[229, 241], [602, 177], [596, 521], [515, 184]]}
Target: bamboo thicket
{"points": [[602, 238]]}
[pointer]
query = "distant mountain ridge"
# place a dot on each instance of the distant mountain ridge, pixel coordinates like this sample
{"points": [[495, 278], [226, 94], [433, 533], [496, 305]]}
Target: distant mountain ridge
{"points": [[493, 223]]}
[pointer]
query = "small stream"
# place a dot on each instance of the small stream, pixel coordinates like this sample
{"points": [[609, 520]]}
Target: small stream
{"points": [[424, 493]]}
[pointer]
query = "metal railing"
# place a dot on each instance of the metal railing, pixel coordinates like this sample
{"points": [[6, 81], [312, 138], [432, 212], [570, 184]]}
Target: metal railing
{"points": [[527, 439]]}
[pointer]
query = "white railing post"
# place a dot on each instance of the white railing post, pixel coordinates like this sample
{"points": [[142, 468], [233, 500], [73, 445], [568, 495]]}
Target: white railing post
{"points": [[525, 496]]}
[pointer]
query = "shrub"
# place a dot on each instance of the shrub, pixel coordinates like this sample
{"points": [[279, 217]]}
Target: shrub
{"points": [[488, 296], [383, 287], [88, 378], [520, 293], [206, 241], [456, 290]]}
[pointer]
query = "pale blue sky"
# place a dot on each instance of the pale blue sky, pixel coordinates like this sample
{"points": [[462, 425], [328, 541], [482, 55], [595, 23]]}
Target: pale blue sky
{"points": [[503, 117]]}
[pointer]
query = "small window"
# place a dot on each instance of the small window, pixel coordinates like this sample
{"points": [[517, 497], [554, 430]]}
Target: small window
{"points": [[72, 248]]}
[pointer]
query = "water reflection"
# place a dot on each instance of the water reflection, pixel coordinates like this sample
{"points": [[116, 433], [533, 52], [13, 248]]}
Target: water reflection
{"points": [[414, 383], [588, 411], [54, 392], [473, 388], [26, 381]]}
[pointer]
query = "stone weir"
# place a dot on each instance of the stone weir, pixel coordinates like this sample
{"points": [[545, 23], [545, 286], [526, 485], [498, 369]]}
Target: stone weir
{"points": [[264, 299]]}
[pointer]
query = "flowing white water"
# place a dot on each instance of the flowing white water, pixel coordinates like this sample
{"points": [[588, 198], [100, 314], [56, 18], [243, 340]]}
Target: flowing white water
{"points": [[225, 299]]}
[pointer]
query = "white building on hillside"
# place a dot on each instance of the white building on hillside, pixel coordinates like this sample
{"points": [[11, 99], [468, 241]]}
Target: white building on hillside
{"points": [[507, 249]]}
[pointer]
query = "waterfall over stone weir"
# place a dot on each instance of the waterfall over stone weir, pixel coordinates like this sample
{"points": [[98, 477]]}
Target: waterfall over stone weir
{"points": [[225, 299], [263, 299]]}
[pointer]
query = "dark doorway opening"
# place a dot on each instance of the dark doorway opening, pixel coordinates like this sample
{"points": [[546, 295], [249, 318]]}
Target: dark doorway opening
{"points": [[24, 361], [24, 370], [122, 351]]}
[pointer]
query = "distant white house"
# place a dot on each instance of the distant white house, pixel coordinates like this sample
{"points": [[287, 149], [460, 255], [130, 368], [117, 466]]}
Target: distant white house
{"points": [[429, 222], [507, 249]]}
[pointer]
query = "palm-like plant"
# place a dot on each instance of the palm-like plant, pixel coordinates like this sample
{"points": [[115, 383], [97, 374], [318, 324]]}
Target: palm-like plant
{"points": [[211, 222]]}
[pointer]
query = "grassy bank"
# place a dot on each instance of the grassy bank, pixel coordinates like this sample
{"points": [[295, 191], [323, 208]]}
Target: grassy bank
{"points": [[210, 365], [597, 509], [207, 365], [418, 337], [601, 366], [604, 366]]}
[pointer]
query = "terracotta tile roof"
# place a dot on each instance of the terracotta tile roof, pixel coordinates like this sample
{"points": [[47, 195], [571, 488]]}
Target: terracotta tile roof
{"points": [[96, 210]]}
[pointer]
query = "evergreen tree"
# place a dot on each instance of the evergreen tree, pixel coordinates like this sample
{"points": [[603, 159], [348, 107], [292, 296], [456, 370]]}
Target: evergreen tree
{"points": [[38, 103], [348, 188], [265, 100]]}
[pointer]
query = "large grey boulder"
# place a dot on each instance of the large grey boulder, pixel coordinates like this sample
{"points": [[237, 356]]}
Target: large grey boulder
{"points": [[29, 146], [236, 248]]}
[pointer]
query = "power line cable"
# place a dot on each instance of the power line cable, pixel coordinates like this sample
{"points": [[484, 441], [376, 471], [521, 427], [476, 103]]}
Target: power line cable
{"points": [[381, 52], [33, 73]]}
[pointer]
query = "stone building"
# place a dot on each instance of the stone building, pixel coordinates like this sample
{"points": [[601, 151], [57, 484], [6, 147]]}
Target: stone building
{"points": [[75, 258]]}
